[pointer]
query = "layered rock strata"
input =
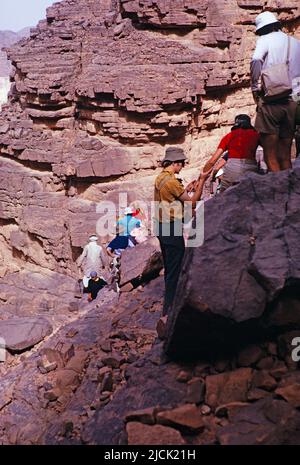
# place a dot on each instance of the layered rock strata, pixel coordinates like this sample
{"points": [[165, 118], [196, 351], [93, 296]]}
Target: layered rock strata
{"points": [[98, 90]]}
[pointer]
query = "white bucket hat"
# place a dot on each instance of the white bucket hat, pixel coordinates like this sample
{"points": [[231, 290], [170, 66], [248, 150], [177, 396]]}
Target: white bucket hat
{"points": [[93, 238], [264, 19]]}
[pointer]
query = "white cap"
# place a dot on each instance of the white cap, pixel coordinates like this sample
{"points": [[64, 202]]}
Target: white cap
{"points": [[264, 19], [128, 211], [93, 237]]}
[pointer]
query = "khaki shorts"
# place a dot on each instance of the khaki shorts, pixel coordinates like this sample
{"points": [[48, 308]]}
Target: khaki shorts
{"points": [[235, 169], [276, 118]]}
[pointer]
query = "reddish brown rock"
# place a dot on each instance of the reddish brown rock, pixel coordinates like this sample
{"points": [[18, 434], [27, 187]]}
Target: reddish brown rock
{"points": [[230, 409], [78, 362], [184, 376], [286, 312], [52, 395], [187, 418], [222, 365], [292, 377], [66, 351], [113, 360], [107, 382], [250, 356], [291, 394], [266, 363], [228, 387], [53, 356], [195, 391], [66, 381], [266, 422], [205, 410], [262, 379], [161, 327], [256, 394], [102, 372], [202, 369], [146, 416], [139, 434], [106, 345], [127, 287], [278, 371], [45, 366]]}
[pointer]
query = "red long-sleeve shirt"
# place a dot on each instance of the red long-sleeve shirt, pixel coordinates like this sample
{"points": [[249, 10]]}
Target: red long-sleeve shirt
{"points": [[240, 143]]}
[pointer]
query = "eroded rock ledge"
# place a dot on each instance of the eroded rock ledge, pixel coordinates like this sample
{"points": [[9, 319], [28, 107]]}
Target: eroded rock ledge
{"points": [[96, 95], [98, 90]]}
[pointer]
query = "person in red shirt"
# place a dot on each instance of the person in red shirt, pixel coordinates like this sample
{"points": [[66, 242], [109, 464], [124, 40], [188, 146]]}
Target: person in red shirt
{"points": [[241, 144]]}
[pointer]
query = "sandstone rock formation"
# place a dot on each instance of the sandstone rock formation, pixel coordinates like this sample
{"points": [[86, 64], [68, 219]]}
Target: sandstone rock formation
{"points": [[98, 90]]}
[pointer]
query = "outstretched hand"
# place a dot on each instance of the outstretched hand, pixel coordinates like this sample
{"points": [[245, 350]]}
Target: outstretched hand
{"points": [[205, 174], [191, 186]]}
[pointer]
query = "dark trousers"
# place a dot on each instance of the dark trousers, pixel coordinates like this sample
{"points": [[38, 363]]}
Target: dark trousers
{"points": [[297, 139], [172, 248]]}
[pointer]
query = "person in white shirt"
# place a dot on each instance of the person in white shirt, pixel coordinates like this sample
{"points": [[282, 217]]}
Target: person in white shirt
{"points": [[93, 258], [275, 121]]}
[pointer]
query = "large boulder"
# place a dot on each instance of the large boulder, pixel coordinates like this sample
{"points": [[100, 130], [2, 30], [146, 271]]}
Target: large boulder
{"points": [[266, 422], [249, 261], [141, 262], [19, 334]]}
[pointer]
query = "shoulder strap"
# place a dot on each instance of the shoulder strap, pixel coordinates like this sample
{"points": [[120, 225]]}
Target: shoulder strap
{"points": [[162, 183], [288, 51]]}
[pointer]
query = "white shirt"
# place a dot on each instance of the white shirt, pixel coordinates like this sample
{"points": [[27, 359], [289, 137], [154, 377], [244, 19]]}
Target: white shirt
{"points": [[92, 258], [271, 49]]}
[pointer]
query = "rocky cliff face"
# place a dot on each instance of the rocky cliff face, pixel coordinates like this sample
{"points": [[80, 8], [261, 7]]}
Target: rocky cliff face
{"points": [[7, 38], [98, 90]]}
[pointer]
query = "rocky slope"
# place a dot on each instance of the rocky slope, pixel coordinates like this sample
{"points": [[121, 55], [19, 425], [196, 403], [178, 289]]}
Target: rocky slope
{"points": [[102, 376], [98, 90]]}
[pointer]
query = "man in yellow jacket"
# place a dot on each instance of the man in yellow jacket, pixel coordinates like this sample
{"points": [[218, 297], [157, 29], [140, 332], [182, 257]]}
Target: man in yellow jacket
{"points": [[169, 196]]}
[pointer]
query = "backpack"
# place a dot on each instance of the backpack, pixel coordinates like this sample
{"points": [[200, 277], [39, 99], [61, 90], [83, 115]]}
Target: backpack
{"points": [[275, 80]]}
